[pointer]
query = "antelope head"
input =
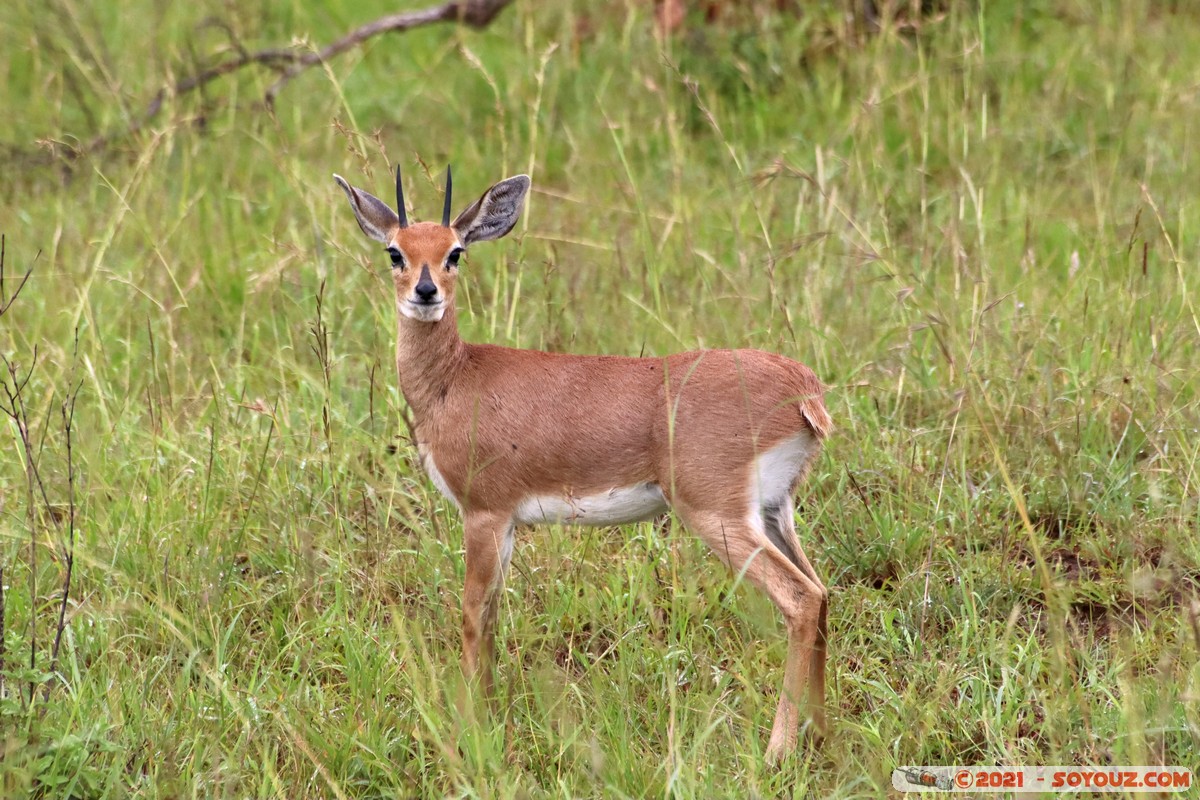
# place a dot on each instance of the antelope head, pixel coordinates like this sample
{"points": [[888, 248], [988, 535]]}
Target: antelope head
{"points": [[425, 255]]}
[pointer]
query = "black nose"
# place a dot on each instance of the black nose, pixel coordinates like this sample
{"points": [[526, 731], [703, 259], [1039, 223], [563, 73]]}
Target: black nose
{"points": [[425, 289]]}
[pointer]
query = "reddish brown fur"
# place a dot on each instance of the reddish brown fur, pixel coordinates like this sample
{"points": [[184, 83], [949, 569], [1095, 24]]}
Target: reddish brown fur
{"points": [[502, 424]]}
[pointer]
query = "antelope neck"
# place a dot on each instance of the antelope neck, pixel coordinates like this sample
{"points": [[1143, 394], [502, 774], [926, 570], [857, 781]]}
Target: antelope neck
{"points": [[428, 357]]}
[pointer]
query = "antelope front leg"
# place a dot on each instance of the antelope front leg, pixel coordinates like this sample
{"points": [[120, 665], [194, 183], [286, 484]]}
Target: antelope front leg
{"points": [[488, 540]]}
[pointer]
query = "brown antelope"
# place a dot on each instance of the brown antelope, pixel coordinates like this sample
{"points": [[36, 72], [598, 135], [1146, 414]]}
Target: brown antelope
{"points": [[521, 437]]}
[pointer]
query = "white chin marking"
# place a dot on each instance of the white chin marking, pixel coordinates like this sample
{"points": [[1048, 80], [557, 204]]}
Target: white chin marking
{"points": [[422, 313], [616, 506]]}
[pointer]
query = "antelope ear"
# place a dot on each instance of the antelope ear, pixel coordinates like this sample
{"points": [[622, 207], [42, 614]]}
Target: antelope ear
{"points": [[373, 215], [495, 213]]}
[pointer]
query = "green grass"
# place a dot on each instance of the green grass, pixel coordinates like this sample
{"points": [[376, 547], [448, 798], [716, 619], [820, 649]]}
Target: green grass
{"points": [[981, 233]]}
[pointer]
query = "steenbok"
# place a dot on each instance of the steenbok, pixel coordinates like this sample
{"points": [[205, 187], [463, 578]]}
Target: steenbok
{"points": [[521, 437]]}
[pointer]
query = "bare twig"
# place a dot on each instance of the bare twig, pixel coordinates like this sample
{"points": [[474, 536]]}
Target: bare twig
{"points": [[13, 385], [320, 348], [5, 300], [68, 418], [17, 411], [2, 618], [290, 62]]}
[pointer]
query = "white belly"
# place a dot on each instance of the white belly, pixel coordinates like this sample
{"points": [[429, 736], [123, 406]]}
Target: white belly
{"points": [[438, 480], [616, 506]]}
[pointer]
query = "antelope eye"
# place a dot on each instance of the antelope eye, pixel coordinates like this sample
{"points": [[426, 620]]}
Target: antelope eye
{"points": [[452, 259], [397, 258]]}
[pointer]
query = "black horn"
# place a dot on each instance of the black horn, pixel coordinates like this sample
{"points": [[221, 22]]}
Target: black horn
{"points": [[400, 199], [446, 208]]}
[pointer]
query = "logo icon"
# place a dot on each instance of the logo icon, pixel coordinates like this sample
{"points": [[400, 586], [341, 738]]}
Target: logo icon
{"points": [[925, 778]]}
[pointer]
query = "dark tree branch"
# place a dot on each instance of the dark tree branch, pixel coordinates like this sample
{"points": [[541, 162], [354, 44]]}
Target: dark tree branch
{"points": [[291, 62], [392, 23]]}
